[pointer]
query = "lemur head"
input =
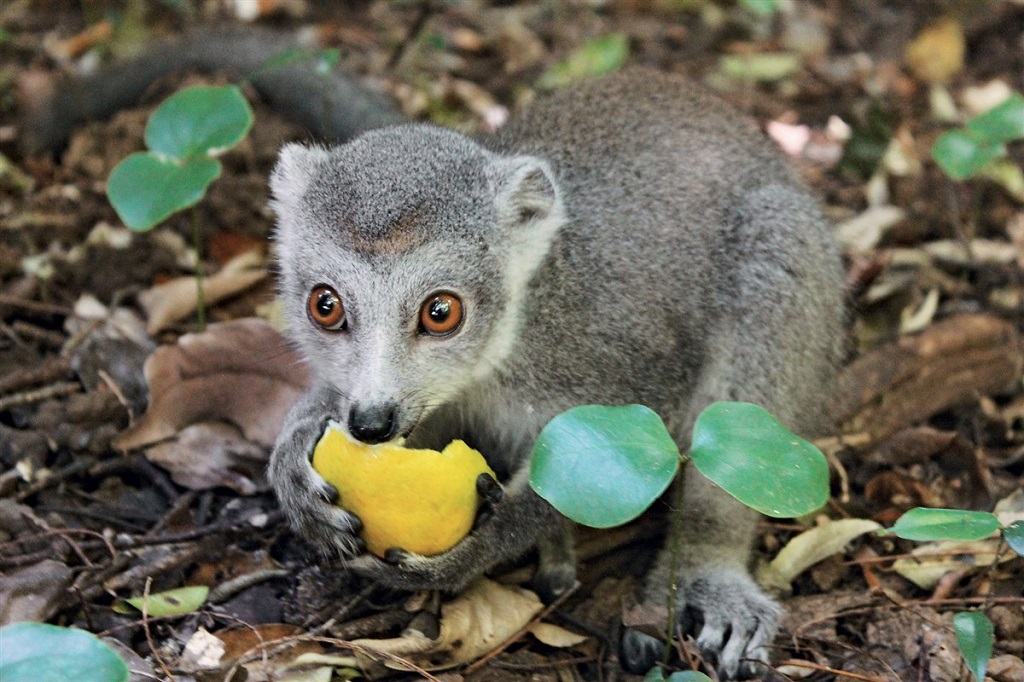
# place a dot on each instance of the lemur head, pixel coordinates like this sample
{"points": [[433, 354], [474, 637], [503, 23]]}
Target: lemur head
{"points": [[404, 259]]}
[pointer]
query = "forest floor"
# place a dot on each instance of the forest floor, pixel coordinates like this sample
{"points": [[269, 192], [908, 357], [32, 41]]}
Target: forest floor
{"points": [[115, 483]]}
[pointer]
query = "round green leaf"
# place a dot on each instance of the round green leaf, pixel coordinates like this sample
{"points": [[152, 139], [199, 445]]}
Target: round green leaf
{"points": [[1014, 534], [688, 676], [198, 121], [145, 189], [757, 460], [36, 652], [656, 674], [926, 524], [961, 153], [1002, 123], [974, 634], [603, 466]]}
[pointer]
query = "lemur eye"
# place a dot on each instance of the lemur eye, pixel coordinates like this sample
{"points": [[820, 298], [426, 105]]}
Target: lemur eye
{"points": [[325, 308], [440, 315]]}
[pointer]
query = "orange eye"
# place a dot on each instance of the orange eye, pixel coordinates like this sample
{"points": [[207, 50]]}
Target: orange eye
{"points": [[440, 315], [325, 308]]}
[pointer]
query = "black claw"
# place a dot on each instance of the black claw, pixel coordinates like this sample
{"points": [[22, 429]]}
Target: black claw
{"points": [[689, 621], [330, 494], [360, 546], [639, 652], [488, 488], [395, 556]]}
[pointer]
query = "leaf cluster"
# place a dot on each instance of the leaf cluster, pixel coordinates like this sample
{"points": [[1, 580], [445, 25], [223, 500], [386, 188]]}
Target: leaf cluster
{"points": [[184, 135], [969, 150]]}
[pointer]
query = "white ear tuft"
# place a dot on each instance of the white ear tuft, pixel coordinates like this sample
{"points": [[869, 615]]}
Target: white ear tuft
{"points": [[296, 166], [526, 188]]}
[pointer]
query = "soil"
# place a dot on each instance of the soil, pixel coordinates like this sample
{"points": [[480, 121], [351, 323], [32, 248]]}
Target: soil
{"points": [[930, 407]]}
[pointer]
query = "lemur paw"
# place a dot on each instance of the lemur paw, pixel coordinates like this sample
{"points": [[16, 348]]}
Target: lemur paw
{"points": [[733, 621]]}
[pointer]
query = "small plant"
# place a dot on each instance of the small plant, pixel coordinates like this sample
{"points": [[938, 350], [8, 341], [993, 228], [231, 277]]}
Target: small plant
{"points": [[974, 632], [604, 466], [36, 652], [184, 136], [977, 147], [762, 8]]}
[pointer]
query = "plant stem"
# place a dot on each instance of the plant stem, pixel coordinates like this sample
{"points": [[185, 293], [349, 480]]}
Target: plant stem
{"points": [[197, 244], [673, 569]]}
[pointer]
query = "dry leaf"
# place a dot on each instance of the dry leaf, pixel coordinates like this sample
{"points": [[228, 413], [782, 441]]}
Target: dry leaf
{"points": [[482, 617], [937, 53], [242, 372], [556, 636], [933, 560], [810, 547], [203, 651], [864, 231], [34, 593], [212, 454], [175, 300]]}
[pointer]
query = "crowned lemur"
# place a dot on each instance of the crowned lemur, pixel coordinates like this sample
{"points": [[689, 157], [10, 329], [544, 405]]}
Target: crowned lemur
{"points": [[629, 240]]}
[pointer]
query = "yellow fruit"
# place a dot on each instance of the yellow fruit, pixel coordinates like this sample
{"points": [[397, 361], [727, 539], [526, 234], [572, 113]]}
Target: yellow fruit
{"points": [[422, 501]]}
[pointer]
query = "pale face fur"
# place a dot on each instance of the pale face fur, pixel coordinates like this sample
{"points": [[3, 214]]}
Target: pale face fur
{"points": [[369, 220]]}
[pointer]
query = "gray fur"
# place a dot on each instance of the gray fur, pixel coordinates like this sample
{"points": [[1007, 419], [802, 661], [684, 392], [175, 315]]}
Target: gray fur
{"points": [[631, 240]]}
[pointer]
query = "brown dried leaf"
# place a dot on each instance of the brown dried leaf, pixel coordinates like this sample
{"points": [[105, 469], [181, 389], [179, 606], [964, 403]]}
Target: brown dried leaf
{"points": [[482, 617], [242, 372], [937, 53], [212, 454], [175, 300], [34, 593], [914, 377]]}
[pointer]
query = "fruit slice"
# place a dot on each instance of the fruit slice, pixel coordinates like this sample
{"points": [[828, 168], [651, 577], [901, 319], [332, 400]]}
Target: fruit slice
{"points": [[422, 501]]}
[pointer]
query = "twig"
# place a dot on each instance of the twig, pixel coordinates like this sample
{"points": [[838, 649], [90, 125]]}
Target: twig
{"points": [[149, 634], [57, 390], [826, 669], [426, 10], [35, 306], [51, 370], [76, 467], [230, 588]]}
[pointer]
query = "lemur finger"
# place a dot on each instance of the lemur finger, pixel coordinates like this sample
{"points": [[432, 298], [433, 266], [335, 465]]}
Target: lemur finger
{"points": [[395, 556], [489, 489]]}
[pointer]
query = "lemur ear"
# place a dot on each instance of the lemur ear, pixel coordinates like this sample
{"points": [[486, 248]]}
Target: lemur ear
{"points": [[526, 188], [296, 166]]}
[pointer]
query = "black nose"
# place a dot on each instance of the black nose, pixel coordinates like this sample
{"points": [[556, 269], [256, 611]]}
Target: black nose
{"points": [[373, 423]]}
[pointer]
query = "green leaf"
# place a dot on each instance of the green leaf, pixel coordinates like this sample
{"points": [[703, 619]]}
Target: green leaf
{"points": [[603, 466], [926, 524], [1014, 534], [763, 67], [961, 153], [199, 121], [688, 676], [761, 7], [757, 460], [600, 55], [1002, 123], [170, 603], [974, 635], [36, 652], [145, 189]]}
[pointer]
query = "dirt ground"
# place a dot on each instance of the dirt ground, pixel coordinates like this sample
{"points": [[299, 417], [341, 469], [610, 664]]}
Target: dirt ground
{"points": [[930, 407]]}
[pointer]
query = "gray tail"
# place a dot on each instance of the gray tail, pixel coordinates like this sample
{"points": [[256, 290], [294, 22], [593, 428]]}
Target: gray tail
{"points": [[333, 107]]}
